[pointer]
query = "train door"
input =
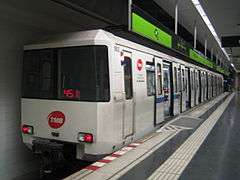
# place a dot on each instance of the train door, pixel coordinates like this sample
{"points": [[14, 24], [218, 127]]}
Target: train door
{"points": [[187, 86], [213, 86], [128, 106], [219, 81], [197, 91], [159, 97], [195, 87], [167, 89], [203, 87], [180, 88], [209, 86], [183, 89], [176, 93], [192, 88], [200, 86]]}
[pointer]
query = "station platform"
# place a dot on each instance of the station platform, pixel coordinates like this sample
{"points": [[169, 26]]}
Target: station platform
{"points": [[200, 143]]}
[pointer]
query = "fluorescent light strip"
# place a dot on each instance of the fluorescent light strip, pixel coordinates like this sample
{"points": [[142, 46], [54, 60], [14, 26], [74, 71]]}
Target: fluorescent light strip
{"points": [[209, 24]]}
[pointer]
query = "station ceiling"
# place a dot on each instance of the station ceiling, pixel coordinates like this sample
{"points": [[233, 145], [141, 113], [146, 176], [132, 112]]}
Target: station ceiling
{"points": [[188, 16], [225, 17], [46, 17], [49, 16]]}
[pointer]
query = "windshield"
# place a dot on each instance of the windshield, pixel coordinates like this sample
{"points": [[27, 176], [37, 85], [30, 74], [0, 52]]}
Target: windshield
{"points": [[75, 73]]}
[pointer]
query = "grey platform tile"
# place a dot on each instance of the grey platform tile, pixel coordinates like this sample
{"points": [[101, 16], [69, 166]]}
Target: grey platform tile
{"points": [[167, 176], [144, 169], [156, 157], [155, 140], [79, 175], [176, 165], [97, 175], [188, 122], [218, 157], [134, 156]]}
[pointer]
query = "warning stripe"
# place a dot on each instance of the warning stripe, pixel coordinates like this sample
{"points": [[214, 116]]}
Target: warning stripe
{"points": [[128, 148], [93, 168], [134, 145], [111, 158], [115, 155], [99, 164], [102, 162], [120, 152]]}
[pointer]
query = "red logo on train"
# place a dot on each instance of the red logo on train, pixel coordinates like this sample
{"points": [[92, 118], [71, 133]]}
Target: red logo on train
{"points": [[56, 119], [139, 64]]}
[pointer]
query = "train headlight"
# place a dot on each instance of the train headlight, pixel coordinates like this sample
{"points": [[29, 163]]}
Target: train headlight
{"points": [[85, 137], [26, 129]]}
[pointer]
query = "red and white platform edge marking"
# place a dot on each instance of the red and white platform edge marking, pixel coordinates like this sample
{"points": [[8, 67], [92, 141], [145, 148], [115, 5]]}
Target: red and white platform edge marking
{"points": [[102, 162]]}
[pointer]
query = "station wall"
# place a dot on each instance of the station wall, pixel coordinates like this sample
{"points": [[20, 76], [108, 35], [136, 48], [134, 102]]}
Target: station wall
{"points": [[23, 22], [15, 158]]}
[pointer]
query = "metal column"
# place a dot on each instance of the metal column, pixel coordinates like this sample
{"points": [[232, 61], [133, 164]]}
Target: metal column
{"points": [[176, 17], [211, 53], [205, 48], [129, 15], [195, 35]]}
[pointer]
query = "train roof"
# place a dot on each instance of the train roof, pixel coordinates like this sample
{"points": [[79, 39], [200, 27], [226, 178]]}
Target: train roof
{"points": [[87, 37], [99, 37], [71, 39]]}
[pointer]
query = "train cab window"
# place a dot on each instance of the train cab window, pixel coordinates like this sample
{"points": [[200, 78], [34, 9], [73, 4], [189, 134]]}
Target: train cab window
{"points": [[46, 76], [159, 79], [72, 73], [84, 73], [150, 71], [128, 77], [38, 74], [175, 80]]}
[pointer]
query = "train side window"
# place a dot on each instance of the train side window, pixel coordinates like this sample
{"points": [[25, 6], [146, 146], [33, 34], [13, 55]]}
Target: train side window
{"points": [[159, 79], [128, 77], [175, 80], [150, 71]]}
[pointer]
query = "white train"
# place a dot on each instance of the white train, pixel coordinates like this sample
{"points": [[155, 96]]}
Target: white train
{"points": [[89, 93]]}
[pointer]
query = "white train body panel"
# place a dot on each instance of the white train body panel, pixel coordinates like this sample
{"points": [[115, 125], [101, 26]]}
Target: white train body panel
{"points": [[124, 118]]}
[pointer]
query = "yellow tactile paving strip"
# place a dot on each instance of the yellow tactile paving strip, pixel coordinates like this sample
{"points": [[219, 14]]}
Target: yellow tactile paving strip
{"points": [[178, 161]]}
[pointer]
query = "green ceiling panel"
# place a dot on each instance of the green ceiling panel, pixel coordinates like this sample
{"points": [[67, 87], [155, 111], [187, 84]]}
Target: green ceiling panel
{"points": [[200, 59], [220, 69], [150, 31]]}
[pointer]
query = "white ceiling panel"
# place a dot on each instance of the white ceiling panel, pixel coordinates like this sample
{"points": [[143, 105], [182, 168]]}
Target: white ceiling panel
{"points": [[188, 15], [225, 17]]}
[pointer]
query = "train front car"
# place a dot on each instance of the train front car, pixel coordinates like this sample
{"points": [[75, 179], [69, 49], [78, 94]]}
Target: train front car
{"points": [[65, 94]]}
